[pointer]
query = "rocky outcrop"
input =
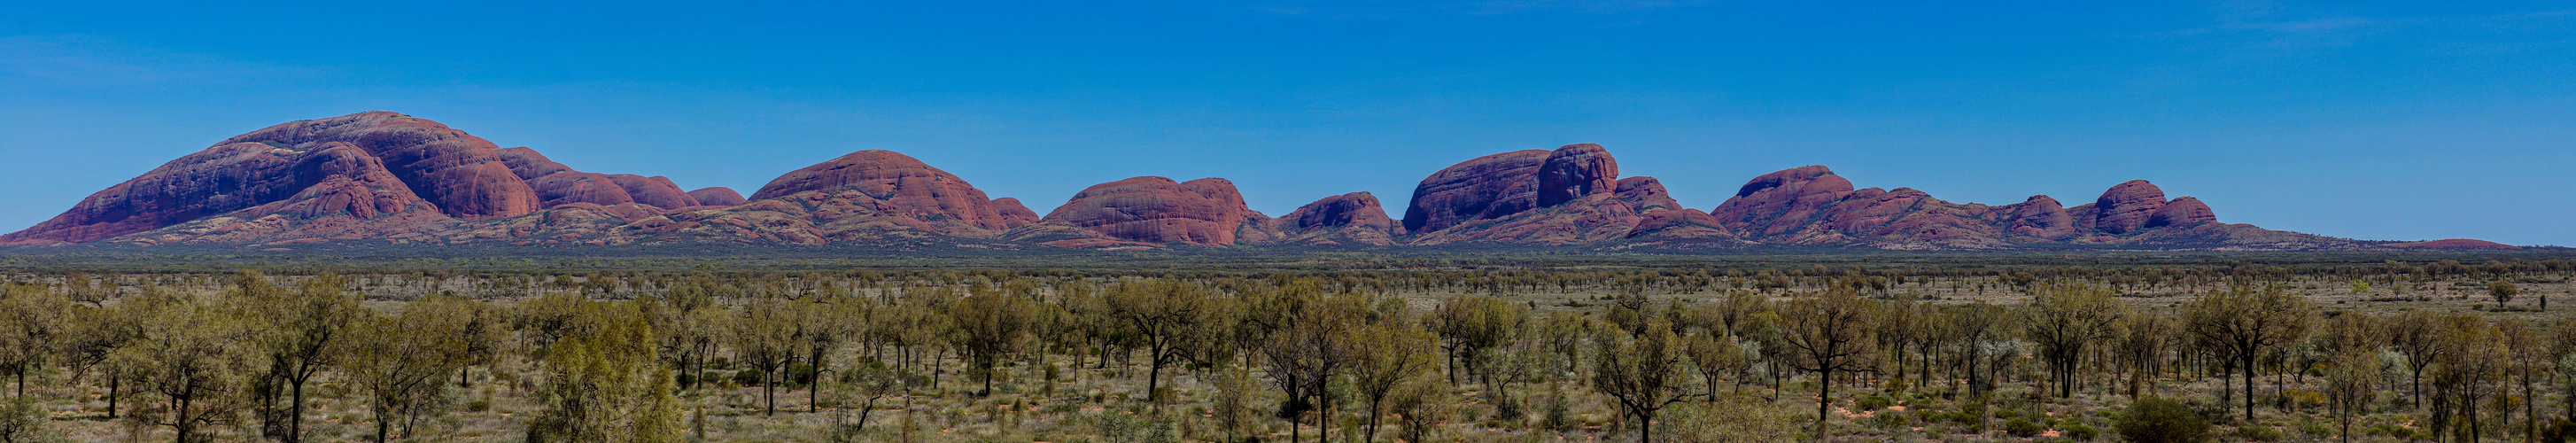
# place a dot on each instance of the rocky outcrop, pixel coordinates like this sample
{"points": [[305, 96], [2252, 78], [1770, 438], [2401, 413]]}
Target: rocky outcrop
{"points": [[382, 176], [556, 184], [2127, 207], [1347, 219], [1486, 187], [1572, 195], [1154, 210], [240, 180], [463, 174], [717, 196], [1812, 206], [2454, 243], [1575, 171], [894, 185]]}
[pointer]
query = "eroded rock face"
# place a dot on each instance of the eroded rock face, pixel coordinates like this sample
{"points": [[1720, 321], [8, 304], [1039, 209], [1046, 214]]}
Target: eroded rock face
{"points": [[906, 187], [1572, 195], [717, 196], [1811, 206], [1354, 218], [463, 174], [2127, 207], [1485, 187], [1151, 209], [556, 184], [1574, 171], [228, 178], [1781, 202], [1014, 213], [2039, 216]]}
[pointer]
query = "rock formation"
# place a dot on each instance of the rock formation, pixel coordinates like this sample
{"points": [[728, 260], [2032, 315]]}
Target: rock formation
{"points": [[1572, 195], [461, 173], [717, 196], [1155, 210], [1347, 219], [387, 177]]}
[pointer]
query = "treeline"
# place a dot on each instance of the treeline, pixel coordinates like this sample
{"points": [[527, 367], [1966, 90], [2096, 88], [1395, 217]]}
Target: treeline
{"points": [[1678, 354]]}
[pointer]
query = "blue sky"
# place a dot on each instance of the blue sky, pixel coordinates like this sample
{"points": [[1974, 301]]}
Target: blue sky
{"points": [[2392, 120]]}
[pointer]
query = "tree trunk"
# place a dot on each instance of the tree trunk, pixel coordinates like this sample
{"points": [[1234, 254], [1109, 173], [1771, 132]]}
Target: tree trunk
{"points": [[295, 422], [2249, 386]]}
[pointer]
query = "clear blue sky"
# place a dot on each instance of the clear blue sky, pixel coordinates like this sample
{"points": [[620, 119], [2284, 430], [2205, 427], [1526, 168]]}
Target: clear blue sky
{"points": [[2392, 120]]}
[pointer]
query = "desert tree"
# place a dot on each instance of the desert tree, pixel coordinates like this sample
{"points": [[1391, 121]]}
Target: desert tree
{"points": [[1384, 355], [990, 325], [2142, 339], [1827, 333], [765, 337], [32, 323], [2503, 291], [1164, 316], [1471, 324], [2351, 380], [604, 383], [96, 334], [2417, 334], [300, 331], [1641, 371], [197, 356], [2064, 319], [401, 360], [2243, 322], [1307, 347]]}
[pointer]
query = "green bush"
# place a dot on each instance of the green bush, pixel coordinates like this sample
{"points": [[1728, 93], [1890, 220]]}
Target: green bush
{"points": [[2080, 432], [1891, 419], [2159, 420], [2007, 413], [2023, 428], [2259, 433], [747, 377], [1875, 402]]}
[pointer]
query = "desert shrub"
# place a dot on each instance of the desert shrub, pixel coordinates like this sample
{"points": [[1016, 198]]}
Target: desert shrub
{"points": [[22, 419], [2159, 420], [747, 377], [1730, 420], [2023, 428], [2007, 413], [2259, 433], [2081, 432], [1875, 402], [478, 406], [1891, 419]]}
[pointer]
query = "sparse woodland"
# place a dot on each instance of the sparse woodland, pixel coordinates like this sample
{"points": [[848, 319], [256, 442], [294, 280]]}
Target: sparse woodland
{"points": [[2394, 351]]}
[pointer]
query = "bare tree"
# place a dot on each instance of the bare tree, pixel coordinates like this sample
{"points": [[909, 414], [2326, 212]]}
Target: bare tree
{"points": [[1828, 333]]}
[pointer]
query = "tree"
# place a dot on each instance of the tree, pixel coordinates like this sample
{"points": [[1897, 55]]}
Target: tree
{"points": [[1166, 317], [765, 337], [1828, 333], [32, 321], [2503, 291], [197, 357], [1469, 325], [401, 360], [1641, 372], [605, 384], [990, 325], [301, 331], [2243, 322], [2064, 318], [1383, 356], [2417, 334], [2351, 379], [1307, 348]]}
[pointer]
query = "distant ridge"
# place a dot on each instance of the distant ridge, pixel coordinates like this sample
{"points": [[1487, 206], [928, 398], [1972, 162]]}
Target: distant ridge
{"points": [[384, 177]]}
